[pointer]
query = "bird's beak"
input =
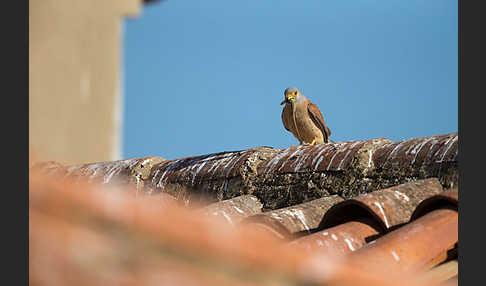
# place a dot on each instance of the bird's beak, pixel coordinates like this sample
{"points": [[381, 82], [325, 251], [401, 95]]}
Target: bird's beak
{"points": [[288, 99]]}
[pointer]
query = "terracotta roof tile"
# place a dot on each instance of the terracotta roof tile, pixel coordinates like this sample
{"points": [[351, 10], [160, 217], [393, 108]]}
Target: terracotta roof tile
{"points": [[390, 207], [418, 245], [348, 225], [301, 218], [419, 151], [341, 239], [234, 210], [446, 199], [368, 212], [286, 177], [81, 236], [322, 157], [132, 171]]}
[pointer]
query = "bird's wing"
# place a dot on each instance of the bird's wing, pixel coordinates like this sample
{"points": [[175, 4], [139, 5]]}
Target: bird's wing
{"points": [[318, 119], [286, 116]]}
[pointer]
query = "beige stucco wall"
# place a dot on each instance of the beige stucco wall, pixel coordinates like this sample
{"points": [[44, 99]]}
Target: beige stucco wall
{"points": [[75, 103]]}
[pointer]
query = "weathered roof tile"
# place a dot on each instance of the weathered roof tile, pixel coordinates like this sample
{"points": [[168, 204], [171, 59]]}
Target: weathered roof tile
{"points": [[234, 210], [291, 221], [341, 239], [446, 199], [372, 204], [416, 152], [418, 245], [390, 207]]}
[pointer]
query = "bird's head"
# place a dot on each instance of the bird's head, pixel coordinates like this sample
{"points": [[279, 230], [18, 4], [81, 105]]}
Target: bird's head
{"points": [[292, 94]]}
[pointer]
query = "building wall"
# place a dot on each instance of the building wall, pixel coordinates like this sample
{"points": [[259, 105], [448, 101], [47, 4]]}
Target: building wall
{"points": [[75, 103]]}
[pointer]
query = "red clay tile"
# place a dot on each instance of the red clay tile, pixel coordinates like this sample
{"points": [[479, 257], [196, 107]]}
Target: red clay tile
{"points": [[301, 218], [197, 169], [319, 157], [234, 210], [120, 171], [350, 224], [388, 207], [341, 239], [417, 152], [81, 234], [416, 222], [282, 178], [446, 199], [418, 245]]}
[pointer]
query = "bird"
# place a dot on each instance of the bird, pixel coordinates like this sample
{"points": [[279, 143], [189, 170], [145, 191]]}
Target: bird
{"points": [[304, 119]]}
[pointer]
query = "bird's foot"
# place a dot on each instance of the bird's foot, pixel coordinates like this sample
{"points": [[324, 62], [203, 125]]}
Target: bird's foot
{"points": [[311, 143]]}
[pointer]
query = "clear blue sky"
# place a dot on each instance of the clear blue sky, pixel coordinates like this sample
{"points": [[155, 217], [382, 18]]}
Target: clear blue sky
{"points": [[208, 76]]}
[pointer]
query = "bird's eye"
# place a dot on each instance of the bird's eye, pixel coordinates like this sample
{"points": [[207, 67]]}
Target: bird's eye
{"points": [[295, 93]]}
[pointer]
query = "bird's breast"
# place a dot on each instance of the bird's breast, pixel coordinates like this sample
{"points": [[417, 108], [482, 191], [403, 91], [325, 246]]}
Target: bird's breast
{"points": [[307, 128]]}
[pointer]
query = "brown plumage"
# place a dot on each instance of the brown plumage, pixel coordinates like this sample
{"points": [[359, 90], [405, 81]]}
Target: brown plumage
{"points": [[304, 119]]}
